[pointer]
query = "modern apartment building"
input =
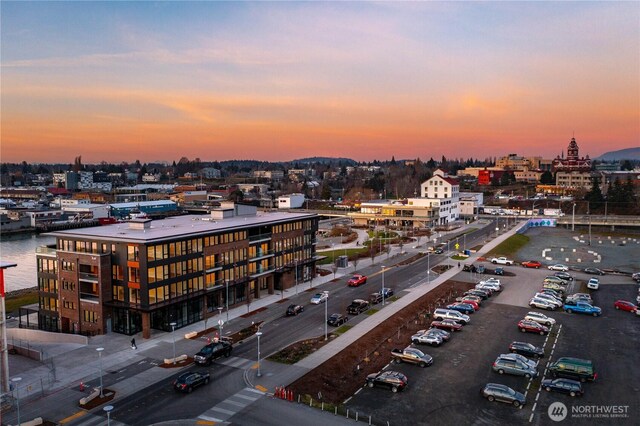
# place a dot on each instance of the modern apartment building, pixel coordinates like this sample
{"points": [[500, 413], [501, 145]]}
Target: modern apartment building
{"points": [[145, 275]]}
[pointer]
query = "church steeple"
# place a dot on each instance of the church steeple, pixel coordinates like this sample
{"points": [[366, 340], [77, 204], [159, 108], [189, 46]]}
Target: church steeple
{"points": [[572, 150]]}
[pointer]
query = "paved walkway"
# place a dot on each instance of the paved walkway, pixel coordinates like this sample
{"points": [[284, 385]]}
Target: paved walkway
{"points": [[51, 389]]}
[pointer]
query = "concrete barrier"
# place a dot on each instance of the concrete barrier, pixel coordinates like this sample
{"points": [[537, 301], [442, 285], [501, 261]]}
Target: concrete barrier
{"points": [[191, 335], [42, 336], [35, 422], [176, 359], [90, 397]]}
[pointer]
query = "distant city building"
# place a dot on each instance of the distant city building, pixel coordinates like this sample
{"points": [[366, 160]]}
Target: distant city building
{"points": [[210, 173], [574, 179], [269, 174], [291, 201], [573, 162], [443, 192], [151, 178], [489, 175], [411, 213], [470, 202], [515, 162], [527, 176]]}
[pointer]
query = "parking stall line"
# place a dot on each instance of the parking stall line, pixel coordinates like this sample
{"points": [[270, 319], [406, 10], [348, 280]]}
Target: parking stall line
{"points": [[528, 385], [537, 396], [531, 418], [534, 407]]}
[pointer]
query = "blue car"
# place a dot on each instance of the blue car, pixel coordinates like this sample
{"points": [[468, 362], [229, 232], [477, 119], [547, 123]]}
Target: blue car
{"points": [[465, 308]]}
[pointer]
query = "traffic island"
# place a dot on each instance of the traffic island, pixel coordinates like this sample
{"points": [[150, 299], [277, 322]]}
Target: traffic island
{"points": [[94, 399], [177, 362]]}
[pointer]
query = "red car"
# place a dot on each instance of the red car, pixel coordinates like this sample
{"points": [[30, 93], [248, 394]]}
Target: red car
{"points": [[532, 327], [356, 280], [473, 303], [532, 264], [625, 306], [447, 324]]}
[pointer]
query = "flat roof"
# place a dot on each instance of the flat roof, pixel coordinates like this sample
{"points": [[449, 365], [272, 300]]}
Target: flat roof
{"points": [[177, 227]]}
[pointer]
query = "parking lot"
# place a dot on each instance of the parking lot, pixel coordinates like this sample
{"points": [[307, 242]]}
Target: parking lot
{"points": [[448, 392]]}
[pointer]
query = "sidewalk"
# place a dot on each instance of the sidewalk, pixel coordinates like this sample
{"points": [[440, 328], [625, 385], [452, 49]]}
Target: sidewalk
{"points": [[61, 376]]}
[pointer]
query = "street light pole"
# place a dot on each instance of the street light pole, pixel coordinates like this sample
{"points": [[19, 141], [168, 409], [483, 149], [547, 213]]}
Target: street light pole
{"points": [[220, 321], [259, 333], [227, 298], [100, 361], [173, 334], [428, 268], [4, 360], [326, 304], [573, 218], [296, 266], [108, 409], [382, 290], [16, 380]]}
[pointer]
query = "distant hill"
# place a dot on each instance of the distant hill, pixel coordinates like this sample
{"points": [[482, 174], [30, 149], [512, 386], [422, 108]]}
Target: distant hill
{"points": [[326, 160], [622, 154]]}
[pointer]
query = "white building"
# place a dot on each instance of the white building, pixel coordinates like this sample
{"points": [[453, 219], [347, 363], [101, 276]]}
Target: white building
{"points": [[151, 178], [96, 211], [470, 203], [291, 201], [210, 173], [444, 192]]}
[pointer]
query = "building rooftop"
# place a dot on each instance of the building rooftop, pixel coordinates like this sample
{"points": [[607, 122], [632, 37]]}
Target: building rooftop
{"points": [[177, 227]]}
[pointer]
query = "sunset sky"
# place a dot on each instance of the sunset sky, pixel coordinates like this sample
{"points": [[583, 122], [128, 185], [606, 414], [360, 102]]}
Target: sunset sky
{"points": [[120, 81]]}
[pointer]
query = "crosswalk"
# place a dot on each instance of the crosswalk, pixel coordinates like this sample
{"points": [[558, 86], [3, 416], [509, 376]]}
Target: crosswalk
{"points": [[236, 362], [226, 409], [95, 420]]}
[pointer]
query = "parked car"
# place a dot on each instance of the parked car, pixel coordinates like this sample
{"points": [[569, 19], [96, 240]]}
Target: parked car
{"points": [[582, 308], [480, 269], [593, 271], [502, 393], [375, 298], [445, 335], [573, 368], [393, 380], [553, 286], [319, 298], [499, 271], [423, 337], [511, 364], [559, 267], [336, 320], [188, 381], [213, 351], [411, 355], [555, 293], [584, 297], [552, 299], [438, 251], [462, 307], [526, 349], [531, 264], [475, 292], [532, 327], [554, 280], [447, 324], [568, 386], [537, 302], [623, 305], [492, 280], [636, 277], [565, 276], [294, 309], [501, 261], [593, 284], [387, 292], [442, 314], [471, 297], [540, 318], [469, 301], [357, 280], [468, 268], [357, 306]]}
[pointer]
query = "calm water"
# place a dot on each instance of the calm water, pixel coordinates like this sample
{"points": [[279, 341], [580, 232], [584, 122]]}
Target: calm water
{"points": [[21, 249]]}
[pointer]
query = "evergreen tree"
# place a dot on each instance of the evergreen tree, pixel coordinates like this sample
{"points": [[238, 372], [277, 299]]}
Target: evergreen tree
{"points": [[594, 196], [546, 178]]}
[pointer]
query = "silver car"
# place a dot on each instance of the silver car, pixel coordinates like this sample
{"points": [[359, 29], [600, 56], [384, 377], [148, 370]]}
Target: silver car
{"points": [[536, 302], [427, 338], [517, 367]]}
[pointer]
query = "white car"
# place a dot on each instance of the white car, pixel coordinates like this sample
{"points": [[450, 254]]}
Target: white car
{"points": [[593, 284], [501, 261], [491, 286], [540, 318], [536, 302], [559, 267], [426, 338], [319, 298], [491, 280], [550, 298]]}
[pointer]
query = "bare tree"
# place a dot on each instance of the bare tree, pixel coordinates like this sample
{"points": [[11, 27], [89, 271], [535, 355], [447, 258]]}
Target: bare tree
{"points": [[355, 263]]}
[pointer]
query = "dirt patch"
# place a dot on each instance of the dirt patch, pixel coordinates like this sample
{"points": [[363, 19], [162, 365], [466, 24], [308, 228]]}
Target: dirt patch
{"points": [[339, 378], [299, 350]]}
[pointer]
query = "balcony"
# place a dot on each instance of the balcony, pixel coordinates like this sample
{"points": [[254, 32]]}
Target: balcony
{"points": [[89, 297], [259, 238], [44, 250], [261, 254], [86, 276], [262, 271]]}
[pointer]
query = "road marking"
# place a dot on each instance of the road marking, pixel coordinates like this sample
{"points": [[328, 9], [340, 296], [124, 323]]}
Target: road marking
{"points": [[260, 388], [237, 404], [205, 422], [348, 399], [120, 378], [222, 410], [534, 407], [358, 391], [531, 418], [537, 396], [208, 418], [73, 417], [254, 390], [528, 385]]}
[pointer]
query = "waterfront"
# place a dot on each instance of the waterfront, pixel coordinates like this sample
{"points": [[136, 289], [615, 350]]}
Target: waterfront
{"points": [[21, 249]]}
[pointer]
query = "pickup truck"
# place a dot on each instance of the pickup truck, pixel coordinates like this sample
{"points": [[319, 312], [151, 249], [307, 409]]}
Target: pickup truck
{"points": [[411, 356], [582, 308], [357, 306], [501, 261]]}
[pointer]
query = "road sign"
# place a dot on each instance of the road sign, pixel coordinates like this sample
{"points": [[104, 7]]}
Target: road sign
{"points": [[457, 246]]}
